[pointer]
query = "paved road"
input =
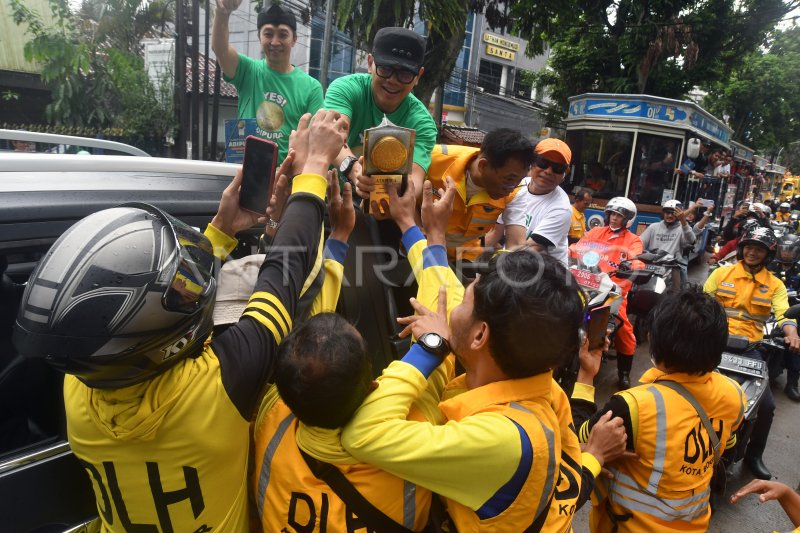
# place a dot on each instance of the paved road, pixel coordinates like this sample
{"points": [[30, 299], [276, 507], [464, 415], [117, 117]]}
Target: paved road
{"points": [[782, 455]]}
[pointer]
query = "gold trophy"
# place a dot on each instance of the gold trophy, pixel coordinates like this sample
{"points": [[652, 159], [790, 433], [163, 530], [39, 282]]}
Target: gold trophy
{"points": [[388, 156]]}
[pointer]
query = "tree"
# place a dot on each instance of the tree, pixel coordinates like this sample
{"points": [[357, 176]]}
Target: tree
{"points": [[92, 83], [70, 67], [761, 96], [122, 24], [658, 47]]}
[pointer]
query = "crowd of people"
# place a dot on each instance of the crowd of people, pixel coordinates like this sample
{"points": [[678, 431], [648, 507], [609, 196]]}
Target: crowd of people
{"points": [[274, 422]]}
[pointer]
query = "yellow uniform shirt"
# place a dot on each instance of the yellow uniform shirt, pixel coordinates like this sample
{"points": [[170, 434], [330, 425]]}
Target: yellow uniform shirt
{"points": [[748, 299], [481, 461], [578, 225], [471, 219], [170, 453]]}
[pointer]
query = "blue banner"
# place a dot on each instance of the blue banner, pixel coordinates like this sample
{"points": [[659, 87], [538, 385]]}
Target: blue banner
{"points": [[236, 131], [685, 115]]}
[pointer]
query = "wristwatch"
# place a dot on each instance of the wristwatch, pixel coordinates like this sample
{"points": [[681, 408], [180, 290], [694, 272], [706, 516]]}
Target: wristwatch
{"points": [[435, 344], [347, 165]]}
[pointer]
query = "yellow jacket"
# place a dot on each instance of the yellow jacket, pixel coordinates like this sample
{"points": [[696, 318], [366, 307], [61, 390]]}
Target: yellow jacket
{"points": [[286, 492], [748, 299], [481, 460], [470, 220], [170, 453], [667, 486], [578, 225]]}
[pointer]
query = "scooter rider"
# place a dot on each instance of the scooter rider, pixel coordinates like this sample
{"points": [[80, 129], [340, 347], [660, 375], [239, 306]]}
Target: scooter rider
{"points": [[783, 214], [672, 235], [786, 269], [749, 292], [617, 247]]}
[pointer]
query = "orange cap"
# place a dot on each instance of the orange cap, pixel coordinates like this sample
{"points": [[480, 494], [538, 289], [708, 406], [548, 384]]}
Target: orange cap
{"points": [[554, 150]]}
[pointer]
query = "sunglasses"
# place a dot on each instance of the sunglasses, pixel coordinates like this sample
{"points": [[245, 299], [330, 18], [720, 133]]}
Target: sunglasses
{"points": [[543, 163], [403, 76]]}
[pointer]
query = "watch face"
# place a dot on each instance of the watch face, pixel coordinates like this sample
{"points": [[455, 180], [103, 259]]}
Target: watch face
{"points": [[432, 340], [346, 164]]}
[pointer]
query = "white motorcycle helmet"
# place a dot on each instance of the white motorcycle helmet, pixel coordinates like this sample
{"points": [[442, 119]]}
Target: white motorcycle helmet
{"points": [[785, 205], [672, 204], [763, 207], [622, 206]]}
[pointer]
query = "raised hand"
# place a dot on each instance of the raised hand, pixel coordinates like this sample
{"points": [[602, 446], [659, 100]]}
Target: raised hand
{"points": [[230, 218], [427, 321], [228, 6], [400, 208], [326, 134], [436, 214], [340, 208]]}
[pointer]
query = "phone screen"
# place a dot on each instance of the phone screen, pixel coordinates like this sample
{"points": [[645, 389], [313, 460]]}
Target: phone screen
{"points": [[257, 173], [597, 326]]}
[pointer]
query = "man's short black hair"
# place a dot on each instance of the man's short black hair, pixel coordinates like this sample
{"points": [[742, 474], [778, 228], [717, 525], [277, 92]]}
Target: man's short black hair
{"points": [[582, 194], [533, 310], [688, 332], [503, 144], [323, 371]]}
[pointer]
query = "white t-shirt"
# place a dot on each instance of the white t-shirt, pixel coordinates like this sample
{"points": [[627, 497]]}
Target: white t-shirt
{"points": [[545, 216]]}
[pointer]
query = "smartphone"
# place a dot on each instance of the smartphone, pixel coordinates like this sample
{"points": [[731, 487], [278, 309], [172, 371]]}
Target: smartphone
{"points": [[258, 170], [596, 326], [706, 203]]}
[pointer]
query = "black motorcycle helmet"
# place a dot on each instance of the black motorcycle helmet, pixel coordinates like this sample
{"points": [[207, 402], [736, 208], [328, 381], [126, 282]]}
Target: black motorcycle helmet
{"points": [[760, 236], [788, 249], [747, 225], [120, 297]]}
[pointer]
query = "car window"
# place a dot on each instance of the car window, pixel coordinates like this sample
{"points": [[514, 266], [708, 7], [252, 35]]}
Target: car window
{"points": [[30, 391]]}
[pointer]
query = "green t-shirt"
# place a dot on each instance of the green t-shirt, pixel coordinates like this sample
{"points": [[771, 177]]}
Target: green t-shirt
{"points": [[352, 95], [276, 100]]}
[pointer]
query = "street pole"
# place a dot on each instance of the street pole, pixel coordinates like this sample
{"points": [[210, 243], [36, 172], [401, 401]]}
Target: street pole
{"points": [[204, 144], [195, 79], [326, 45], [180, 80]]}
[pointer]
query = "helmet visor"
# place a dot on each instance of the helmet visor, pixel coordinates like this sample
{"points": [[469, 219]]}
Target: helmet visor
{"points": [[194, 268]]}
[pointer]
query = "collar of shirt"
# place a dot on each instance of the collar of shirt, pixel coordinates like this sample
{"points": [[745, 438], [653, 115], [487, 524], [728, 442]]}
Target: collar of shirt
{"points": [[499, 393], [655, 375], [762, 276]]}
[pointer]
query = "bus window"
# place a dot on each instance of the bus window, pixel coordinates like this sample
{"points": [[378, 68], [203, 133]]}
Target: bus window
{"points": [[653, 168], [600, 161]]}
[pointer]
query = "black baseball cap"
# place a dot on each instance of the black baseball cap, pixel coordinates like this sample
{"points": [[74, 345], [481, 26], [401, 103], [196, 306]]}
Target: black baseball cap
{"points": [[276, 16], [399, 47]]}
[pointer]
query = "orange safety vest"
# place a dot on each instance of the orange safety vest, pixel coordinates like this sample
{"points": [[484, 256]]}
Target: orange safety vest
{"points": [[537, 418], [667, 487], [747, 299], [471, 220], [565, 498], [290, 498]]}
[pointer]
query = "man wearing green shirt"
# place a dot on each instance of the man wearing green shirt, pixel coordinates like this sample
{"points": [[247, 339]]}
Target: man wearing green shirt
{"points": [[395, 67], [274, 92]]}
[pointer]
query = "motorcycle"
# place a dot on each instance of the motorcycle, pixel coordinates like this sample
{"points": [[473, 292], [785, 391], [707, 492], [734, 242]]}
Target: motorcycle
{"points": [[753, 374], [645, 295], [603, 299]]}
